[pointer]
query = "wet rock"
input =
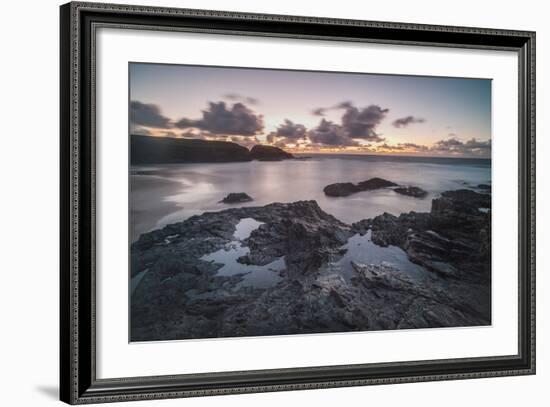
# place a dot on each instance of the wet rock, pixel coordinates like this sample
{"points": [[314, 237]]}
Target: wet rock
{"points": [[387, 230], [415, 192], [236, 197], [417, 303], [375, 183], [340, 189], [347, 188], [183, 296], [452, 240]]}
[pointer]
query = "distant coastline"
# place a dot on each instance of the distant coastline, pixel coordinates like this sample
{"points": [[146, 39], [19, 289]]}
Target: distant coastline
{"points": [[167, 150]]}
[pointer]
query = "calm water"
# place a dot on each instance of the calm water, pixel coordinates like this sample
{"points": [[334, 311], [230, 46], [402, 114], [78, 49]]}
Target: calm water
{"points": [[163, 194], [257, 276]]}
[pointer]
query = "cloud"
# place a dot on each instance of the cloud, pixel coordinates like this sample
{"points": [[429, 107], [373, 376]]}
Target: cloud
{"points": [[320, 111], [244, 141], [235, 97], [331, 134], [362, 123], [474, 144], [358, 123], [414, 146], [168, 133], [147, 115], [386, 146], [406, 121], [288, 132], [449, 144], [457, 147], [139, 130], [193, 135], [403, 147], [219, 119], [344, 105]]}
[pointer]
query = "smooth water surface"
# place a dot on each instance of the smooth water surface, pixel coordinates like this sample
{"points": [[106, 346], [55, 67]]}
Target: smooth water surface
{"points": [[257, 276], [163, 194]]}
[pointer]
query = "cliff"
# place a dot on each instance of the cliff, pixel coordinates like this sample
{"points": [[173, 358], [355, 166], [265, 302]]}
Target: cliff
{"points": [[166, 150]]}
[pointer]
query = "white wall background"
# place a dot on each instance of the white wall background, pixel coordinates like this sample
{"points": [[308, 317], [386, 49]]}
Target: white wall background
{"points": [[29, 163]]}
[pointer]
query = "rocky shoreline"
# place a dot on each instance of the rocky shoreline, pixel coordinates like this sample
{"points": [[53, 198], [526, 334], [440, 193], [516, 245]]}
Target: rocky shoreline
{"points": [[181, 294]]}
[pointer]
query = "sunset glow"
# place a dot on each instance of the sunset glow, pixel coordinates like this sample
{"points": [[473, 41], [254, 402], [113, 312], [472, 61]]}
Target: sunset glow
{"points": [[313, 112]]}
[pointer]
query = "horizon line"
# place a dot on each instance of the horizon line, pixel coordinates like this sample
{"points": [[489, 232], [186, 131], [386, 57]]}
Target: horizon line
{"points": [[369, 153]]}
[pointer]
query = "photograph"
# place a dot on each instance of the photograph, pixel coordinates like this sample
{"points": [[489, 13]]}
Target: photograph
{"points": [[276, 202]]}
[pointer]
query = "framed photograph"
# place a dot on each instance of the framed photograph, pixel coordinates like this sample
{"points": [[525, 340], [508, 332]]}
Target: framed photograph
{"points": [[255, 203]]}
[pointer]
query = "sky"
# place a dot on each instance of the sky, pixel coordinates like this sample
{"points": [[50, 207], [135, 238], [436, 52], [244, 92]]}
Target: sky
{"points": [[313, 112]]}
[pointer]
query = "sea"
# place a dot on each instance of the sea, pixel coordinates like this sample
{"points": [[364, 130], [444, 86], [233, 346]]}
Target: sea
{"points": [[170, 193]]}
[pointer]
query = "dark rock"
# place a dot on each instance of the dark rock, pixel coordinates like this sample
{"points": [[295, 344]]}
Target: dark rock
{"points": [[462, 199], [340, 189], [416, 303], [457, 212], [387, 230], [453, 240], [484, 186], [183, 296], [268, 153], [236, 197], [375, 183], [415, 192], [348, 188]]}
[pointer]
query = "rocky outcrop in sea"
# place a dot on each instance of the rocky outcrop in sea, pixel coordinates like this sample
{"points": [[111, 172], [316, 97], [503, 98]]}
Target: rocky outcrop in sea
{"points": [[342, 189], [415, 192], [348, 188], [180, 290], [236, 197]]}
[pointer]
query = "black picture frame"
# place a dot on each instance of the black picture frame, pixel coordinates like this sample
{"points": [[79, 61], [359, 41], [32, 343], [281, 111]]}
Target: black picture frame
{"points": [[78, 382]]}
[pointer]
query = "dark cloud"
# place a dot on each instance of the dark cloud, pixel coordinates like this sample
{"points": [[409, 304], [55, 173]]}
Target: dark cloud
{"points": [[331, 134], [473, 144], [288, 131], [244, 141], [240, 98], [408, 147], [405, 121], [344, 105], [193, 135], [358, 123], [219, 119], [147, 115], [397, 147], [457, 147], [448, 144], [320, 111], [414, 146], [169, 133], [138, 130], [362, 123]]}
